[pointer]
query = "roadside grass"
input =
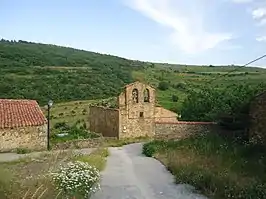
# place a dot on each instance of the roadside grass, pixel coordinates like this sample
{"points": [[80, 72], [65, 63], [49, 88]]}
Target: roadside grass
{"points": [[125, 141], [29, 177], [97, 158], [22, 150], [5, 182], [218, 167]]}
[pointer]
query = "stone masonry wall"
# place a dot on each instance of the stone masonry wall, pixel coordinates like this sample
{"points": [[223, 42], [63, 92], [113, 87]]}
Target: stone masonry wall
{"points": [[104, 121], [257, 130], [136, 118], [180, 130], [164, 115], [34, 138]]}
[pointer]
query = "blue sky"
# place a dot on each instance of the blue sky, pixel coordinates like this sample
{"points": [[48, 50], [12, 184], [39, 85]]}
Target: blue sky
{"points": [[173, 31]]}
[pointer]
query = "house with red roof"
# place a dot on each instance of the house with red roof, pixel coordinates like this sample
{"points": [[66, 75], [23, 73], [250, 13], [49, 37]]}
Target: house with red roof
{"points": [[22, 125]]}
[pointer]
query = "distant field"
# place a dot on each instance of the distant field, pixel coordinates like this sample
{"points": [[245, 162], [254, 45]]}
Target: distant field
{"points": [[69, 112]]}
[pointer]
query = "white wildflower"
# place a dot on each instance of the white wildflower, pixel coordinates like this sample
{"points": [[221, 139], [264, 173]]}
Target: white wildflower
{"points": [[77, 178]]}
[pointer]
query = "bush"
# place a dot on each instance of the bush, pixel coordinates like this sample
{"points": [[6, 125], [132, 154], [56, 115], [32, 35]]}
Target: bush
{"points": [[163, 85], [175, 98], [77, 179], [209, 104], [61, 126], [150, 148], [180, 85]]}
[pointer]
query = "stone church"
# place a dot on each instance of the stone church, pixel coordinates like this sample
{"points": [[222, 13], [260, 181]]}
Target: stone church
{"points": [[135, 116]]}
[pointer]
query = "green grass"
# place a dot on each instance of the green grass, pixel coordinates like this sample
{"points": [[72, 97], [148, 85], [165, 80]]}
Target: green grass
{"points": [[70, 112], [125, 141], [97, 158], [75, 132], [218, 167]]}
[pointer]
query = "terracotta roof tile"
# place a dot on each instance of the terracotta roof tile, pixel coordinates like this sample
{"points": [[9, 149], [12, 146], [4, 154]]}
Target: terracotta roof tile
{"points": [[20, 113]]}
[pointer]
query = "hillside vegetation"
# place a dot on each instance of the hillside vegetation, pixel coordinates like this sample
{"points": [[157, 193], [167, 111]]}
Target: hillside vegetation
{"points": [[38, 71], [41, 71]]}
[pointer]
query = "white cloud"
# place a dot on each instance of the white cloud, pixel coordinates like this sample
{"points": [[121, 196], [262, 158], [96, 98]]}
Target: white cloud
{"points": [[259, 13], [261, 39], [185, 21]]}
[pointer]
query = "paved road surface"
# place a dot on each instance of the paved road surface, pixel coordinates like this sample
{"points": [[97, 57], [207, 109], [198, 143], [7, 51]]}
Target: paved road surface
{"points": [[129, 175]]}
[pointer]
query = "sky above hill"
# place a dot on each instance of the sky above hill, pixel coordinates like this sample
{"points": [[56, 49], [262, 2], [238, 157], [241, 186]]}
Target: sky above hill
{"points": [[173, 31]]}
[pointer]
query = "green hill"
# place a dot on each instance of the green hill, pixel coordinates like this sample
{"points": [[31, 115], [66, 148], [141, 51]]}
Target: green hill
{"points": [[41, 71]]}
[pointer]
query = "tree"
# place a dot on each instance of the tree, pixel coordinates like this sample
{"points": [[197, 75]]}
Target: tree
{"points": [[210, 104]]}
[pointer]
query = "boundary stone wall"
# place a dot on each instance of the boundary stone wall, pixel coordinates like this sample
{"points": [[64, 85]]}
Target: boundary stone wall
{"points": [[181, 130]]}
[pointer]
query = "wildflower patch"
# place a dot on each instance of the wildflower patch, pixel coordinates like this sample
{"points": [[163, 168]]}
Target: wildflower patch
{"points": [[77, 179]]}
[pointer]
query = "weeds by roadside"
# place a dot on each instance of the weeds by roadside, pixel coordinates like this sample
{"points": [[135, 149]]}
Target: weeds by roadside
{"points": [[122, 142], [97, 158], [219, 167], [30, 178], [22, 150]]}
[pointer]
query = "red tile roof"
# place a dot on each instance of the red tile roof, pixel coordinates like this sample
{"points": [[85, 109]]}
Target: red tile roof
{"points": [[20, 113]]}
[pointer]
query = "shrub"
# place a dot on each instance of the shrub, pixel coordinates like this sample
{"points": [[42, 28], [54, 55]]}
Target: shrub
{"points": [[180, 85], [174, 98], [163, 85], [150, 148], [77, 179], [61, 126]]}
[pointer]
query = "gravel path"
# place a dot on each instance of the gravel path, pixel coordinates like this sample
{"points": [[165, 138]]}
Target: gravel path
{"points": [[130, 175], [9, 157]]}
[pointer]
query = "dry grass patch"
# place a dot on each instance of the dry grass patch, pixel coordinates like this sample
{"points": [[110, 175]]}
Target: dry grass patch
{"points": [[29, 177]]}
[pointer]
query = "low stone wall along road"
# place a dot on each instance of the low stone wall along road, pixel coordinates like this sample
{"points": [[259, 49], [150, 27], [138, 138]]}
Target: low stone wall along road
{"points": [[130, 175]]}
